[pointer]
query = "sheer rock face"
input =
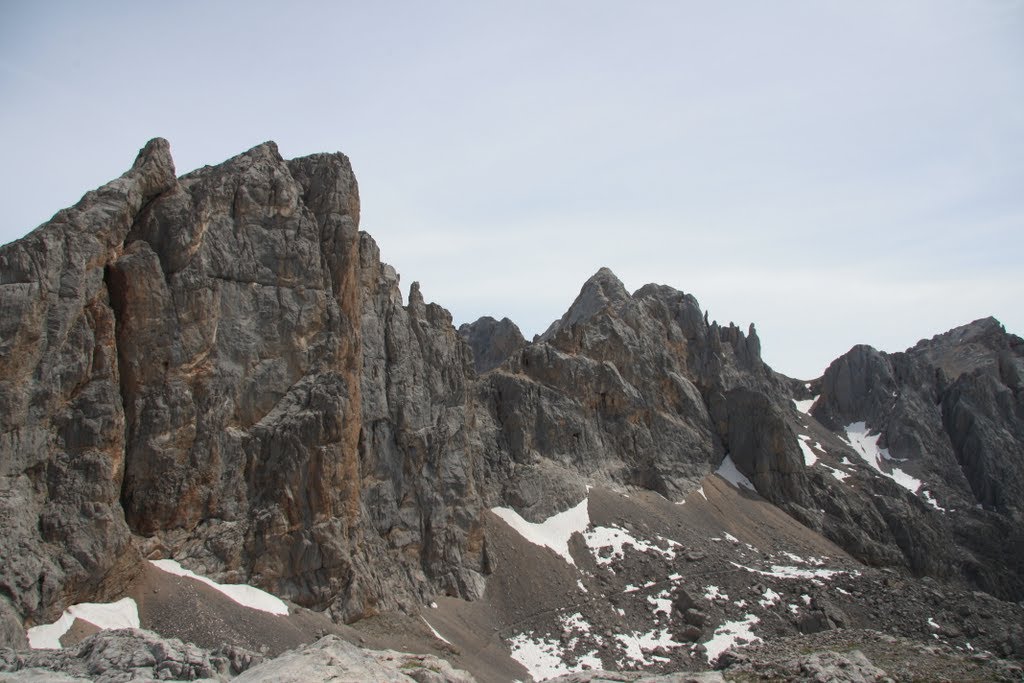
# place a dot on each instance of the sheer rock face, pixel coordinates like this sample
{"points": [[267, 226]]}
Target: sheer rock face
{"points": [[492, 341], [220, 369], [186, 360], [62, 423]]}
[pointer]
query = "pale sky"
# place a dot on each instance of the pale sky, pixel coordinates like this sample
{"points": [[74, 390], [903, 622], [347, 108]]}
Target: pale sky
{"points": [[835, 172]]}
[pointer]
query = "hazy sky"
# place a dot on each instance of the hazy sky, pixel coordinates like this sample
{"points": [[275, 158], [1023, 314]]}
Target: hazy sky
{"points": [[836, 172]]}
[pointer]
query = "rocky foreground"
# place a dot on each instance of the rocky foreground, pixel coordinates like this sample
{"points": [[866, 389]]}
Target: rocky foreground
{"points": [[219, 369], [132, 654]]}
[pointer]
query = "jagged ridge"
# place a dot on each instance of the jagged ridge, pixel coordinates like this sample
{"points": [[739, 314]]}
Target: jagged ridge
{"points": [[219, 368]]}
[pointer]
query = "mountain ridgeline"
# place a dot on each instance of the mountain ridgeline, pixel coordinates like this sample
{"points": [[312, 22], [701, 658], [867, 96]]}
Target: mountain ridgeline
{"points": [[219, 369]]}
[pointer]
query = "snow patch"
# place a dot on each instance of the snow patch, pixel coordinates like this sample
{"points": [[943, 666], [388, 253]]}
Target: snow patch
{"points": [[727, 470], [712, 592], [617, 539], [434, 631], [545, 658], [930, 499], [866, 446], [809, 456], [730, 634], [769, 598], [732, 539], [788, 572], [662, 603], [247, 596], [575, 623], [805, 406], [638, 646], [554, 532], [837, 473], [111, 615], [541, 657]]}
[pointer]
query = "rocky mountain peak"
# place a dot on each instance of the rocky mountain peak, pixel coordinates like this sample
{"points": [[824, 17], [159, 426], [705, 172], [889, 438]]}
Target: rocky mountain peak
{"points": [[492, 341], [601, 291], [155, 164]]}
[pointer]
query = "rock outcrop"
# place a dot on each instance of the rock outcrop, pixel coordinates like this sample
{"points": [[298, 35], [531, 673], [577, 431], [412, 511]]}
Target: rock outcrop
{"points": [[128, 654], [333, 659], [492, 341], [136, 654]]}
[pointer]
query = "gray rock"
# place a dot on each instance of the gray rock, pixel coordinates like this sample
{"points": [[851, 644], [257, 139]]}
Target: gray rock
{"points": [[62, 424], [695, 617], [825, 667], [492, 341], [222, 363], [122, 655], [949, 412], [12, 633], [334, 659]]}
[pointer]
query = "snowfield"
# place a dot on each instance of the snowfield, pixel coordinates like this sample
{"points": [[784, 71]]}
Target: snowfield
{"points": [[247, 596], [618, 539], [727, 470], [865, 445], [809, 456], [112, 615], [554, 532], [805, 406], [729, 634], [545, 658]]}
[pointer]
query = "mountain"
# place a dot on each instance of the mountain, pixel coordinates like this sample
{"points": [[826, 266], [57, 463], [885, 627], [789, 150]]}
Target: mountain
{"points": [[220, 370]]}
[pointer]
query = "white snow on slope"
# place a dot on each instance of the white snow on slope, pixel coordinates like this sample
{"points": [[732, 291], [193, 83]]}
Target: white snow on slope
{"points": [[662, 603], [729, 634], [245, 595], [805, 406], [545, 658], [434, 631], [554, 532], [769, 598], [712, 592], [617, 539], [727, 470], [787, 572], [542, 657], [809, 456], [639, 647], [866, 445], [930, 499], [836, 472], [121, 614]]}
